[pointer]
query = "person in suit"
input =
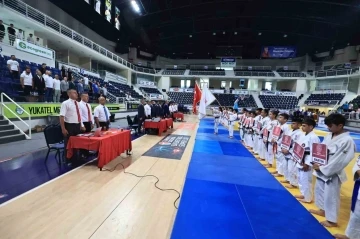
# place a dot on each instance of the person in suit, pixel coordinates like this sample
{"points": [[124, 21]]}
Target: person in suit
{"points": [[153, 109], [141, 114], [39, 85], [166, 111]]}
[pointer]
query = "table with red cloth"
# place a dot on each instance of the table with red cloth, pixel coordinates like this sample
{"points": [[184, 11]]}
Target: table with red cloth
{"points": [[161, 125], [178, 115], [109, 146], [169, 122]]}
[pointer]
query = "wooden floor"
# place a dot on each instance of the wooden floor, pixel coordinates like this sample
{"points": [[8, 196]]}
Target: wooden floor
{"points": [[88, 203]]}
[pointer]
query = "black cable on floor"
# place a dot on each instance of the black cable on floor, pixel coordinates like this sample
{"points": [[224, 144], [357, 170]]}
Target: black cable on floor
{"points": [[161, 189]]}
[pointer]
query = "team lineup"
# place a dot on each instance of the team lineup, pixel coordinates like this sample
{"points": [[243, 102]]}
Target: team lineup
{"points": [[299, 155]]}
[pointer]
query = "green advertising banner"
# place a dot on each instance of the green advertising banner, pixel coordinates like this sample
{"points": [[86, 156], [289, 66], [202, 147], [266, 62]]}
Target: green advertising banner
{"points": [[44, 109]]}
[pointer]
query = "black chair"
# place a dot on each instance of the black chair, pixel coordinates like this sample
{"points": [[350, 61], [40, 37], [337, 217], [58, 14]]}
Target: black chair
{"points": [[131, 124], [54, 141]]}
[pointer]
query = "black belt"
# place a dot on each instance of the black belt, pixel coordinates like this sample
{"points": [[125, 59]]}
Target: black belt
{"points": [[71, 123], [217, 117]]}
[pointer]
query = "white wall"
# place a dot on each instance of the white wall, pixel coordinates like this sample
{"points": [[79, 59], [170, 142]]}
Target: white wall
{"points": [[164, 83], [9, 50]]}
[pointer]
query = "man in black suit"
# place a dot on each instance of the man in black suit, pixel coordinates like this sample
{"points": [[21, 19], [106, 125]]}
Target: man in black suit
{"points": [[166, 110], [141, 114], [153, 109]]}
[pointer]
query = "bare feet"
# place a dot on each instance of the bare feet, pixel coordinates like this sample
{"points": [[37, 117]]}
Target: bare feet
{"points": [[268, 166], [329, 224], [277, 175], [318, 212], [284, 181], [290, 186], [275, 172], [299, 196], [339, 236], [303, 201]]}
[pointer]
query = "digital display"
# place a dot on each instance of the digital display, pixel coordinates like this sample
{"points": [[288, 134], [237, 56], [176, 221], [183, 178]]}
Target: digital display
{"points": [[108, 10], [278, 52], [97, 5], [117, 18]]}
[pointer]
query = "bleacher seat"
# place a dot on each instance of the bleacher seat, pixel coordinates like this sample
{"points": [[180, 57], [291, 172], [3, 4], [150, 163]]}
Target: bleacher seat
{"points": [[265, 73], [324, 99], [173, 72], [279, 102], [184, 98], [150, 90], [214, 72]]}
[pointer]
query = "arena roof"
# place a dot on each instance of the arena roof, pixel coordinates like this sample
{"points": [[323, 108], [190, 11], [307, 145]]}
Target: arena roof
{"points": [[213, 28]]}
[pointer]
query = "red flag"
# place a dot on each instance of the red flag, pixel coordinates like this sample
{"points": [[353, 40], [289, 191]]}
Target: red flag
{"points": [[197, 97]]}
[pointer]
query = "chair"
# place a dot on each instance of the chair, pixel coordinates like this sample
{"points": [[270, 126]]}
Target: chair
{"points": [[54, 141], [131, 124]]}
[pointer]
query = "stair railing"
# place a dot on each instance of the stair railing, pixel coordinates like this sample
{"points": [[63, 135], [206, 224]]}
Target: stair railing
{"points": [[18, 107]]}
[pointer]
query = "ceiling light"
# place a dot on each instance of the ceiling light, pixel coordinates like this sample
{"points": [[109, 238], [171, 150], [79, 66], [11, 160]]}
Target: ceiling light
{"points": [[235, 33], [224, 33], [348, 44], [135, 6], [214, 34], [174, 53], [332, 48], [208, 53], [190, 36], [285, 35], [259, 33]]}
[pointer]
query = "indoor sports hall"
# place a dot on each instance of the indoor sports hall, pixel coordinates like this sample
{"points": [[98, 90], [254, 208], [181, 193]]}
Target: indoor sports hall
{"points": [[178, 119]]}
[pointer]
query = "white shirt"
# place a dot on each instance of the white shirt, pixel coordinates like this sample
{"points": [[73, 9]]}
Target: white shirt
{"points": [[97, 6], [37, 43], [86, 80], [30, 39], [147, 110], [49, 81], [84, 110], [104, 91], [20, 36], [68, 110], [99, 113], [56, 84], [14, 65], [27, 78]]}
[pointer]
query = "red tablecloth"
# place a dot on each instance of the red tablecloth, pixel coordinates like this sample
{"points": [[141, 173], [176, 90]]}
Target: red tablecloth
{"points": [[179, 115], [108, 146], [169, 123], [161, 125]]}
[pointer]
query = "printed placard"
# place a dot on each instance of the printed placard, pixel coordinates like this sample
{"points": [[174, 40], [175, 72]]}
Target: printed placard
{"points": [[265, 134], [286, 142], [319, 153], [276, 132], [298, 153], [259, 125]]}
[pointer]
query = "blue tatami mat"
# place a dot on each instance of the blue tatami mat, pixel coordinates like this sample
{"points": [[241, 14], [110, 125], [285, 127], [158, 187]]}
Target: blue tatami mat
{"points": [[214, 137], [211, 131], [225, 160], [235, 149], [210, 210], [277, 214], [207, 146], [216, 171]]}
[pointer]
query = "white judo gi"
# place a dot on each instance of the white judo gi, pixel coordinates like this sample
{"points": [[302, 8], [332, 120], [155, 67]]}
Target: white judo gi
{"points": [[289, 166], [269, 153], [216, 115], [231, 121], [249, 132], [241, 120], [262, 145], [280, 157], [305, 178], [341, 150], [353, 227], [256, 134]]}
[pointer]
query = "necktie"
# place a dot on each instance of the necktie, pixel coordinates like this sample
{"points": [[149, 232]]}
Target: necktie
{"points": [[355, 194], [106, 114], [89, 116], [77, 111]]}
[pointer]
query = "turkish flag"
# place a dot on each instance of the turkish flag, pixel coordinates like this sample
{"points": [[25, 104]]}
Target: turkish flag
{"points": [[197, 97]]}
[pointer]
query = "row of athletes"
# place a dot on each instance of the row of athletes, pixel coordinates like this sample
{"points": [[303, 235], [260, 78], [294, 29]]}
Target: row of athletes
{"points": [[267, 134]]}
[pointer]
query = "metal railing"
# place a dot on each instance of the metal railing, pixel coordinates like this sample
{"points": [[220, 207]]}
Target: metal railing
{"points": [[341, 72], [253, 68], [4, 106], [48, 22], [254, 73]]}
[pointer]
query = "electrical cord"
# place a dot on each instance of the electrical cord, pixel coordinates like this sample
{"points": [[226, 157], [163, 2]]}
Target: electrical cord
{"points": [[144, 176]]}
